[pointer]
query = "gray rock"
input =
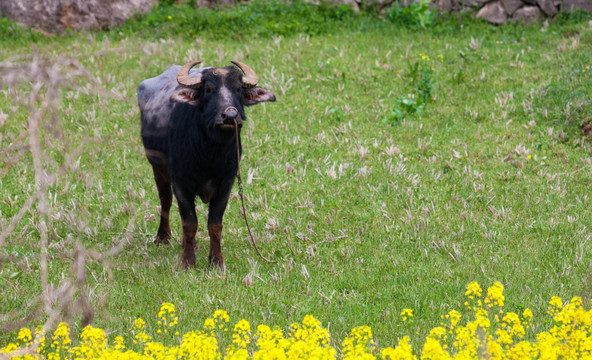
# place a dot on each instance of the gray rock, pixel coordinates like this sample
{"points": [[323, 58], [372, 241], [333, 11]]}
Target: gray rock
{"points": [[448, 5], [527, 14], [493, 12], [577, 4], [60, 15], [530, 2], [474, 3], [511, 5], [548, 7], [215, 3]]}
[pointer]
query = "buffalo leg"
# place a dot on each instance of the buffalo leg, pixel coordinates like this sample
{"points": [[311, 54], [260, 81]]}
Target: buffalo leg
{"points": [[189, 222], [165, 193], [215, 231], [215, 215]]}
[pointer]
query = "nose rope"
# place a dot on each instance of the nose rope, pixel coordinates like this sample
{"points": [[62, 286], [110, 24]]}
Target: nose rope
{"points": [[240, 192], [230, 108]]}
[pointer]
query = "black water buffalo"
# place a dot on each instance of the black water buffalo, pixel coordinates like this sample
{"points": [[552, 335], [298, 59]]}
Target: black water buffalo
{"points": [[188, 130]]}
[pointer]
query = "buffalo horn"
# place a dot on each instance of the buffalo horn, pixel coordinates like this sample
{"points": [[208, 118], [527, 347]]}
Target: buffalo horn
{"points": [[250, 79], [183, 76]]}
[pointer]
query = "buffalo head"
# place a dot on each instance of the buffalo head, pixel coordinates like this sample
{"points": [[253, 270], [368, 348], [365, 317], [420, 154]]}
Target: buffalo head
{"points": [[220, 93]]}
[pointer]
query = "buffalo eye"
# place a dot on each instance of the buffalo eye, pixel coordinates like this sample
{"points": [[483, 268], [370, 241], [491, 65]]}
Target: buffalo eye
{"points": [[209, 90]]}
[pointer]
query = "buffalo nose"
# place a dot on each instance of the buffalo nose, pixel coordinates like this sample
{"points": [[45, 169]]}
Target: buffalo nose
{"points": [[230, 114]]}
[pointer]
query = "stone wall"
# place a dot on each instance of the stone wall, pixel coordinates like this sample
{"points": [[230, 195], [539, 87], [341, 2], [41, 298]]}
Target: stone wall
{"points": [[60, 15], [501, 11], [497, 11]]}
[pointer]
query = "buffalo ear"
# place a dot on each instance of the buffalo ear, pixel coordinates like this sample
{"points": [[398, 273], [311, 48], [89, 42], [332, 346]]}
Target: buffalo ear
{"points": [[186, 95], [256, 95]]}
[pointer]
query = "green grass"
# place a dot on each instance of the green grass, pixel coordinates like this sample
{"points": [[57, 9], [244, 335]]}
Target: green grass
{"points": [[489, 182]]}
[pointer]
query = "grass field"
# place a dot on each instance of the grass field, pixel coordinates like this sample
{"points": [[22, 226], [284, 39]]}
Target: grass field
{"points": [[397, 166]]}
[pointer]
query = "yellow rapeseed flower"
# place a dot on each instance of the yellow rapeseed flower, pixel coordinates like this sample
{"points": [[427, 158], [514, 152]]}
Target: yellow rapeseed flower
{"points": [[241, 336], [555, 305], [495, 295], [139, 324], [25, 336], [473, 290], [481, 332], [403, 351], [424, 57], [406, 314], [454, 317]]}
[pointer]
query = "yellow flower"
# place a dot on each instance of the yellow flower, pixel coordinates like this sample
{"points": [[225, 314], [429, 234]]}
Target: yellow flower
{"points": [[454, 317], [119, 343], [424, 57], [139, 324], [495, 295], [473, 289], [403, 351], [221, 315], [438, 333], [432, 349], [241, 336], [480, 332], [527, 316], [406, 314], [554, 305], [359, 344], [25, 336]]}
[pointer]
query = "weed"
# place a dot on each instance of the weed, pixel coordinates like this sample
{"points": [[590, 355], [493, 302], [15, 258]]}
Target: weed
{"points": [[571, 17], [404, 106], [337, 114], [417, 15], [424, 83], [420, 74], [11, 32], [565, 102], [259, 18]]}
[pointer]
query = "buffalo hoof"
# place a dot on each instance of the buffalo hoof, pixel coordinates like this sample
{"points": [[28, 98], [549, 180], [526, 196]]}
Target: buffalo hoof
{"points": [[188, 257], [162, 239], [188, 263], [217, 262]]}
